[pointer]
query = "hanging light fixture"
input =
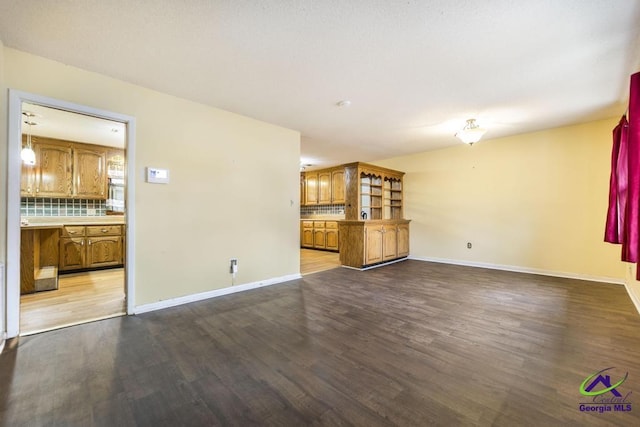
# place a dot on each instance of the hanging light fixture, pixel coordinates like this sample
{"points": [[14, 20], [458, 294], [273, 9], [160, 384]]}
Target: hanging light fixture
{"points": [[27, 154], [471, 132]]}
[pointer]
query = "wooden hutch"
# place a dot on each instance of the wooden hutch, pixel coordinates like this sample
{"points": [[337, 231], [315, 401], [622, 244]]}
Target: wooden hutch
{"points": [[374, 230]]}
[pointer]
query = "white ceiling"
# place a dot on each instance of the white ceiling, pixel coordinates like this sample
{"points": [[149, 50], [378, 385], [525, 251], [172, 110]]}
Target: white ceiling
{"points": [[414, 71], [60, 124]]}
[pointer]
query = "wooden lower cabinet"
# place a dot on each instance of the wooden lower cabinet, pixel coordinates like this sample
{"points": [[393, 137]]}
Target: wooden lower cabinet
{"points": [[104, 251], [331, 236], [389, 243], [306, 234], [319, 235], [403, 240], [374, 243], [365, 243], [91, 246], [72, 253]]}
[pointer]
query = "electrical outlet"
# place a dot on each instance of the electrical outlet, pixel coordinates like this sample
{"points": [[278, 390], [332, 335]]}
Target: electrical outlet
{"points": [[233, 265], [469, 245]]}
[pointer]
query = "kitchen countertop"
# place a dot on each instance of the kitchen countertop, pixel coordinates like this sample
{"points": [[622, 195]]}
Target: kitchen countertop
{"points": [[60, 221], [322, 217]]}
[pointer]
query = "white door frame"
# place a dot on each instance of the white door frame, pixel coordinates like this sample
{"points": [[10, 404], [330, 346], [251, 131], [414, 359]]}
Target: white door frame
{"points": [[16, 98]]}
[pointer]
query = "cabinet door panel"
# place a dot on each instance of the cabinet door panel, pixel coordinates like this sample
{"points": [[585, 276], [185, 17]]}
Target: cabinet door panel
{"points": [[337, 187], [390, 243], [324, 188], [307, 237], [54, 168], [72, 253], [311, 190], [403, 240], [90, 173], [374, 242], [319, 239], [331, 239], [104, 251], [27, 181]]}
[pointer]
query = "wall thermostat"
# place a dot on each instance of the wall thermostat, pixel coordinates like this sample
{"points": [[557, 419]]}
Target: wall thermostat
{"points": [[157, 176]]}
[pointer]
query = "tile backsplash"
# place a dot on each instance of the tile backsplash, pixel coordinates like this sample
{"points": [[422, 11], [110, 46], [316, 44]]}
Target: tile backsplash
{"points": [[43, 206], [322, 210]]}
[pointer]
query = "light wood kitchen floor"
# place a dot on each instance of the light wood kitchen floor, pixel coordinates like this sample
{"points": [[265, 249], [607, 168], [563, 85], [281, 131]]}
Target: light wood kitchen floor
{"points": [[80, 298], [313, 261]]}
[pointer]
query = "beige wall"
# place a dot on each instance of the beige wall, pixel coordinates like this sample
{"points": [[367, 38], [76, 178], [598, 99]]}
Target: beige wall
{"points": [[535, 202], [234, 182]]}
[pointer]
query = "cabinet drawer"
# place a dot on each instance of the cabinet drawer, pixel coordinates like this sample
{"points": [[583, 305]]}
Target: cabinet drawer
{"points": [[307, 224], [331, 224], [103, 230], [73, 231], [318, 224]]}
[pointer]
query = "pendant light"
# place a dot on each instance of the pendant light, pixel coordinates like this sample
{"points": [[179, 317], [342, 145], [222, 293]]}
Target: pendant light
{"points": [[471, 132], [27, 154]]}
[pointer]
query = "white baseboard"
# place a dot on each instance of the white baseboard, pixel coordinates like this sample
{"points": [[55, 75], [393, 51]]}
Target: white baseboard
{"points": [[382, 264], [519, 269], [635, 299], [213, 294]]}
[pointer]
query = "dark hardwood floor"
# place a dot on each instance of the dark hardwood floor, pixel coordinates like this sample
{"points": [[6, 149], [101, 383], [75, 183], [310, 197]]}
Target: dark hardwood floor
{"points": [[410, 344]]}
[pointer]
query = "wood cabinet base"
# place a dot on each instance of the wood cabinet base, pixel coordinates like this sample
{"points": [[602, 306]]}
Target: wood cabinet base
{"points": [[367, 243], [38, 260]]}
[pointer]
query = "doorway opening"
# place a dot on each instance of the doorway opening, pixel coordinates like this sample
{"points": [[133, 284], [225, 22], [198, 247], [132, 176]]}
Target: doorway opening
{"points": [[69, 215], [72, 215]]}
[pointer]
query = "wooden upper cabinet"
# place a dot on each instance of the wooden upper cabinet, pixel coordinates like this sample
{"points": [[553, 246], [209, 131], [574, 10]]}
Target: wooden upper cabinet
{"points": [[337, 186], [66, 169], [90, 176], [374, 191], [324, 188], [28, 180], [54, 170], [302, 190], [311, 188]]}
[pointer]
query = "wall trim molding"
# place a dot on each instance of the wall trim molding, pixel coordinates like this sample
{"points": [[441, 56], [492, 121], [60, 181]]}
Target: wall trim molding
{"points": [[145, 308], [14, 169], [518, 269]]}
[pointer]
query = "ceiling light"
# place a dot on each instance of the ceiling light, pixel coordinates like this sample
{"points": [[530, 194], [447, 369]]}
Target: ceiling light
{"points": [[344, 103], [27, 154], [471, 132]]}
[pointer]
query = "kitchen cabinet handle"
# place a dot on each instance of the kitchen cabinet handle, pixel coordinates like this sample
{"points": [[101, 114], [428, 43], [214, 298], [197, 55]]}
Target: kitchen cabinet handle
{"points": [[72, 232], [82, 243], [28, 189], [37, 190], [89, 241], [104, 230]]}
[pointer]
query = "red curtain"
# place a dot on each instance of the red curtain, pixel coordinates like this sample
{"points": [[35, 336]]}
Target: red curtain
{"points": [[623, 214], [614, 230]]}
